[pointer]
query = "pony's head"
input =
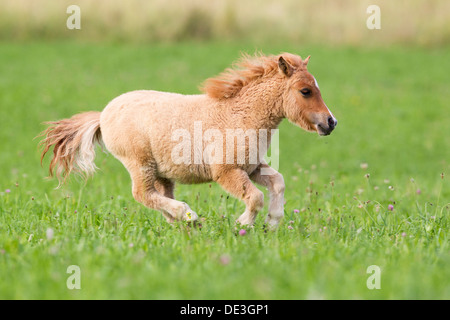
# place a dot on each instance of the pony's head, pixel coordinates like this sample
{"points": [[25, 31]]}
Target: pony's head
{"points": [[302, 102]]}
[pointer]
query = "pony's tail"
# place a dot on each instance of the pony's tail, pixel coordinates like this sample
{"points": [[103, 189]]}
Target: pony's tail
{"points": [[74, 142]]}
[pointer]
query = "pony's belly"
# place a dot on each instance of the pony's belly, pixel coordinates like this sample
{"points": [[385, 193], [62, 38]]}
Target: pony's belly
{"points": [[194, 174], [185, 174]]}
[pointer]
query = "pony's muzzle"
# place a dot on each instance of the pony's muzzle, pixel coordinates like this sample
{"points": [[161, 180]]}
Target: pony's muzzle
{"points": [[326, 127], [332, 122]]}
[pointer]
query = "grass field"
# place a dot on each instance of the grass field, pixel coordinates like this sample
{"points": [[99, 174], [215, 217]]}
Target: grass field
{"points": [[391, 147]]}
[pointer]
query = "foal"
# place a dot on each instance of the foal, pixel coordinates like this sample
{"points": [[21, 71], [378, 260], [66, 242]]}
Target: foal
{"points": [[142, 130]]}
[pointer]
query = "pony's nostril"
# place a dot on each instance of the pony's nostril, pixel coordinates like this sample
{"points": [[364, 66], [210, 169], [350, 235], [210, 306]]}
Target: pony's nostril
{"points": [[331, 122]]}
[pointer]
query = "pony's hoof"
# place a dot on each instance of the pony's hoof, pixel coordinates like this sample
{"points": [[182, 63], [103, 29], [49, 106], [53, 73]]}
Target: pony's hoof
{"points": [[186, 213], [190, 216], [244, 222], [246, 219], [272, 224]]}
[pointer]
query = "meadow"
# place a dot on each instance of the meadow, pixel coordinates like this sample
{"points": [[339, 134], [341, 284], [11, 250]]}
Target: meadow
{"points": [[374, 192]]}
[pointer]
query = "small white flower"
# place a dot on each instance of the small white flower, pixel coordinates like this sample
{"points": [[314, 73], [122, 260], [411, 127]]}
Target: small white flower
{"points": [[49, 233]]}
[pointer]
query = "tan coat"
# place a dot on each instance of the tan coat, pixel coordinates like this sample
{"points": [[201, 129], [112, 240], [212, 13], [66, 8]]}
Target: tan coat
{"points": [[163, 138]]}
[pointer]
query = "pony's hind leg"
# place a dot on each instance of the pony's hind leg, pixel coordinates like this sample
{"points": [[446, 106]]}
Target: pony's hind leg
{"points": [[145, 184], [274, 182], [165, 187], [237, 182]]}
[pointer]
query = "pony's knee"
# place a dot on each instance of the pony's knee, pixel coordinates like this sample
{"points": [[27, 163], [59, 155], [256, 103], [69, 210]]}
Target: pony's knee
{"points": [[278, 185]]}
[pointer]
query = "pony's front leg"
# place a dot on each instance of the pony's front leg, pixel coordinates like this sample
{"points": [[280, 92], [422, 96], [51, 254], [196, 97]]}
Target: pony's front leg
{"points": [[274, 182], [237, 182]]}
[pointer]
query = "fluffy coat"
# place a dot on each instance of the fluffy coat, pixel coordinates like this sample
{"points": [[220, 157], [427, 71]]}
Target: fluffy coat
{"points": [[138, 129]]}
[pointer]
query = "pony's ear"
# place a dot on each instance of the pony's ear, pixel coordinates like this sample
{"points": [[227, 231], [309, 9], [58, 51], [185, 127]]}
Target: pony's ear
{"points": [[305, 62], [285, 67]]}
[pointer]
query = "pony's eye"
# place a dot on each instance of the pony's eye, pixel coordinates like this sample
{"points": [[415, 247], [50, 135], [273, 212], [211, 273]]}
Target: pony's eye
{"points": [[305, 92]]}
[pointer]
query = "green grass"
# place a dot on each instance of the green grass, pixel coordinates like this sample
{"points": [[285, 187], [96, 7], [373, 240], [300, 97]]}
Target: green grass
{"points": [[392, 107]]}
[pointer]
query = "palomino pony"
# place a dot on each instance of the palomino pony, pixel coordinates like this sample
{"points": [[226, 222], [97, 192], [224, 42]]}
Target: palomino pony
{"points": [[138, 129]]}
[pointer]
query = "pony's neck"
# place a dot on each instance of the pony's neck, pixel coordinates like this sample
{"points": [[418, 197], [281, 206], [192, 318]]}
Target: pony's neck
{"points": [[263, 103]]}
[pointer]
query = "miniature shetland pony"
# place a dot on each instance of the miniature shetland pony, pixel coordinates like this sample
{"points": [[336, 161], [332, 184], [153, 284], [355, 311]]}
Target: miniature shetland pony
{"points": [[138, 129]]}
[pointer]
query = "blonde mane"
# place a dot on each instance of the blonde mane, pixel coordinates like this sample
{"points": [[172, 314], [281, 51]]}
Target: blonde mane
{"points": [[246, 70]]}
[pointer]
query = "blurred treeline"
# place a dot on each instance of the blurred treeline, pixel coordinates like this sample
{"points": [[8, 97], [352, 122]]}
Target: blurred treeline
{"points": [[415, 22]]}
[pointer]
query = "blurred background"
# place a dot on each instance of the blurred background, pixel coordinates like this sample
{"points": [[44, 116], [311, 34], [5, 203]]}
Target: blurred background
{"points": [[389, 89], [343, 22]]}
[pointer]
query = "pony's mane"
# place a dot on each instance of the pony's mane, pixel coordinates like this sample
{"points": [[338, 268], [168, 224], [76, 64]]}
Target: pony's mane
{"points": [[246, 70]]}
